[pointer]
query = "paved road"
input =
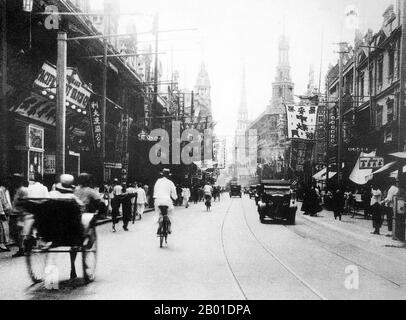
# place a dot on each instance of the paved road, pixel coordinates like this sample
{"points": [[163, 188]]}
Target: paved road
{"points": [[228, 254]]}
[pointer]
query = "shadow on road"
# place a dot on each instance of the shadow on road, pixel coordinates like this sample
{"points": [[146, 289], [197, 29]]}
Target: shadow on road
{"points": [[67, 289]]}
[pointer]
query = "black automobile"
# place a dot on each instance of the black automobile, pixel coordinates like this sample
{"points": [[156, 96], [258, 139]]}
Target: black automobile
{"points": [[235, 191], [276, 201], [252, 191]]}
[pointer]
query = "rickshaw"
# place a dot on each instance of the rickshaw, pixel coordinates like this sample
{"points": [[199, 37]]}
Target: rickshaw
{"points": [[55, 226]]}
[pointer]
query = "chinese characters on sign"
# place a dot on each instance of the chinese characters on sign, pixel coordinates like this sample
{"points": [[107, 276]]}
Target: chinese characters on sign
{"points": [[371, 162], [96, 123], [302, 122], [76, 93], [300, 152], [333, 127]]}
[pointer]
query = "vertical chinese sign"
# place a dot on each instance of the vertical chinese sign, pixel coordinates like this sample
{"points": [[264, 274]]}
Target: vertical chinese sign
{"points": [[96, 125]]}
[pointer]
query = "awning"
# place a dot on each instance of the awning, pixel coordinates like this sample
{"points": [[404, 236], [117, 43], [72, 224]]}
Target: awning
{"points": [[400, 155], [204, 165], [361, 176], [330, 176], [318, 176], [386, 167]]}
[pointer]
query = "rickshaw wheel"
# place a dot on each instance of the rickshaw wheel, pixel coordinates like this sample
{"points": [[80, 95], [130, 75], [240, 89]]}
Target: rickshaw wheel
{"points": [[89, 255], [35, 258]]}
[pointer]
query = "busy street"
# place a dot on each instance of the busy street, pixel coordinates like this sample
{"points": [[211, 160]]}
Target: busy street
{"points": [[202, 150], [228, 254]]}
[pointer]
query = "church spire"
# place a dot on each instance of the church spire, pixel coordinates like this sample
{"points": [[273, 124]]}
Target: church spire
{"points": [[243, 110]]}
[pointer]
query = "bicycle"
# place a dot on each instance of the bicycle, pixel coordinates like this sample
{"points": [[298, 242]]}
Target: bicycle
{"points": [[164, 226]]}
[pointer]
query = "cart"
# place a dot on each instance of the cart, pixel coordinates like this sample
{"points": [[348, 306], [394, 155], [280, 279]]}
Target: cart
{"points": [[55, 226]]}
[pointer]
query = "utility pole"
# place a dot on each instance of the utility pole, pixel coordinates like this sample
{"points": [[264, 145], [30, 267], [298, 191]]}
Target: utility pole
{"points": [[342, 46], [3, 103], [155, 104], [60, 103], [103, 109]]}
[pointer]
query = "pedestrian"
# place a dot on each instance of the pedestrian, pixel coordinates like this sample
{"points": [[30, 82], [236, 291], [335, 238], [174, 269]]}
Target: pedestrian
{"points": [[132, 191], [36, 188], [366, 202], [179, 191], [338, 204], [147, 193], [186, 196], [125, 199], [195, 194], [117, 190], [19, 192], [142, 201], [90, 197], [376, 208], [5, 208], [390, 203]]}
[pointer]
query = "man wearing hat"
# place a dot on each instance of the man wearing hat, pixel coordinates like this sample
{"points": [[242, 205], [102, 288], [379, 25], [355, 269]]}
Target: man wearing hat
{"points": [[164, 193]]}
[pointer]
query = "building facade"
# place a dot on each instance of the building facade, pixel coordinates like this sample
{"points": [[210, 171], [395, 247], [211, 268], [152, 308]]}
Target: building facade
{"points": [[271, 126], [371, 95]]}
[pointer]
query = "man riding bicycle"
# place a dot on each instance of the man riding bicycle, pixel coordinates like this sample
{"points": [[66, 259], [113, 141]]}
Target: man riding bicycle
{"points": [[164, 195]]}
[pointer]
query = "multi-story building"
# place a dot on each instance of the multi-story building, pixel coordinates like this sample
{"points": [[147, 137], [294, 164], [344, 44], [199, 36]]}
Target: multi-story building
{"points": [[371, 88], [271, 125]]}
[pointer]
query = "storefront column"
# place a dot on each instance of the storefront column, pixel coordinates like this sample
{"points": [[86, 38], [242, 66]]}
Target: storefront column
{"points": [[3, 102]]}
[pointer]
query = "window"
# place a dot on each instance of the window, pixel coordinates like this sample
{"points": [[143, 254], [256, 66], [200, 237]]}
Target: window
{"points": [[388, 135], [391, 62], [379, 110], [380, 71], [280, 92], [390, 104], [361, 85]]}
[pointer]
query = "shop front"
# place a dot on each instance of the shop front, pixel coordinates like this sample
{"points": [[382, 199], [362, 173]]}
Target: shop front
{"points": [[33, 132]]}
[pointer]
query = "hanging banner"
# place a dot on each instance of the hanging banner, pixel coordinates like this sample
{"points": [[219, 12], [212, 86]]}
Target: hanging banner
{"points": [[96, 125], [300, 152], [302, 122]]}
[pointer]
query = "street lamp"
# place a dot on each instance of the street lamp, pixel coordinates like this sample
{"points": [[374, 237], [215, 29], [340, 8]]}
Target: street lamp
{"points": [[27, 5]]}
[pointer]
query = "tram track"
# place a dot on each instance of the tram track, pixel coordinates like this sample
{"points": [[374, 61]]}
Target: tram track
{"points": [[280, 261], [342, 256], [268, 251], [332, 252]]}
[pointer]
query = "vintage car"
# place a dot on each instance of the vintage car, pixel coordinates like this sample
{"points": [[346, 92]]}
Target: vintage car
{"points": [[252, 191], [276, 201], [235, 191]]}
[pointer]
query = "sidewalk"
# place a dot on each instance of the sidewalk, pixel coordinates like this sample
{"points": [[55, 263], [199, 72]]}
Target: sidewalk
{"points": [[356, 227]]}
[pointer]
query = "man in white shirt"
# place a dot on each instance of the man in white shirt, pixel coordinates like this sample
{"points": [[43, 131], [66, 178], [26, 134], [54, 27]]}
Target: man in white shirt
{"points": [[36, 189], [141, 200], [131, 190], [186, 196], [164, 193], [390, 203]]}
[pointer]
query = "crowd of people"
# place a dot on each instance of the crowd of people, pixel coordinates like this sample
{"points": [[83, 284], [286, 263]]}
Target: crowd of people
{"points": [[376, 199], [113, 199]]}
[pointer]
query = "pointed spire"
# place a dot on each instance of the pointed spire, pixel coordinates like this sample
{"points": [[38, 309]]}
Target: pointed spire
{"points": [[243, 102]]}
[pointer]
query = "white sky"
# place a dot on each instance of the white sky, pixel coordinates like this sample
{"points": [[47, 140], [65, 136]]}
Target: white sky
{"points": [[232, 31]]}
